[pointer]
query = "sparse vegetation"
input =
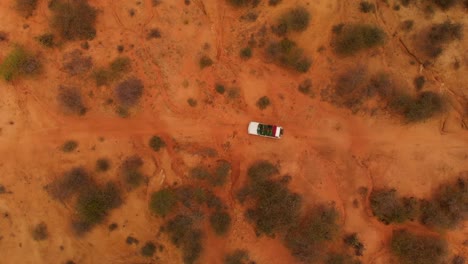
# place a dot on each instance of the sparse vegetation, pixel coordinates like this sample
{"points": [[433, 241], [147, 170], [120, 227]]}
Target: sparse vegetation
{"points": [[200, 173], [73, 181], [419, 82], [440, 35], [421, 108], [192, 102], [366, 7], [46, 40], [69, 146], [243, 3], [184, 235], [25, 7], [237, 257], [205, 61], [154, 34], [163, 202], [117, 68], [220, 222], [341, 258], [102, 165], [389, 208], [70, 100], [222, 170], [286, 53], [129, 92], [357, 37], [296, 19], [246, 53], [220, 88], [131, 171], [75, 62], [18, 63], [445, 4], [74, 20], [263, 102], [40, 232], [417, 249], [148, 249], [156, 143], [353, 241]]}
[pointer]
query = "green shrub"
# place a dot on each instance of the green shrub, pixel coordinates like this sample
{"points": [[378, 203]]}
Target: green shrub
{"points": [[46, 40], [19, 62], [163, 202], [425, 106], [263, 102], [449, 205], [25, 7], [185, 236], [131, 171], [205, 61], [296, 19], [94, 203], [237, 257], [40, 232], [417, 249], [357, 37], [220, 88], [445, 4], [246, 53], [148, 249], [156, 143], [220, 222], [389, 208], [102, 165], [69, 146], [129, 92], [74, 20], [72, 181], [70, 100], [366, 7], [287, 54]]}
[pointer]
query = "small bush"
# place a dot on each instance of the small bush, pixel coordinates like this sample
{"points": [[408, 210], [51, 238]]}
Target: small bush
{"points": [[274, 2], [237, 257], [205, 61], [74, 20], [366, 7], [73, 181], [389, 208], [220, 222], [296, 19], [163, 202], [220, 88], [69, 146], [458, 260], [263, 102], [200, 173], [221, 173], [154, 34], [129, 92], [407, 25], [439, 35], [148, 249], [356, 37], [102, 77], [419, 82], [416, 249], [337, 258], [119, 66], [185, 236], [243, 3], [131, 171], [286, 53], [353, 241], [18, 63], [93, 204], [261, 170], [156, 143], [305, 87], [46, 40], [102, 165], [39, 232], [246, 53], [75, 62], [425, 106], [70, 100], [445, 4], [25, 7], [192, 102]]}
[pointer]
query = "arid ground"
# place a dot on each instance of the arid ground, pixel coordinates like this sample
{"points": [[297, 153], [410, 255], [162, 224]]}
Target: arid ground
{"points": [[335, 152]]}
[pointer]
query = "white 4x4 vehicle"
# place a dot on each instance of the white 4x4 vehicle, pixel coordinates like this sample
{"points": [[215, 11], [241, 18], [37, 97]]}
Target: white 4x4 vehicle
{"points": [[263, 130]]}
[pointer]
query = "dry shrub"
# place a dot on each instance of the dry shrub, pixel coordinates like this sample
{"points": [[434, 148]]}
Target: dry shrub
{"points": [[438, 36], [410, 248], [220, 222], [117, 68], [243, 3], [72, 182], [25, 7], [129, 92], [47, 40], [296, 19], [156, 143], [70, 100], [75, 63], [74, 20], [389, 208], [40, 232], [341, 258], [263, 102], [354, 38], [221, 173], [205, 61], [19, 62], [287, 54], [237, 257], [148, 249], [69, 146], [424, 106], [163, 202], [102, 165], [185, 236], [131, 171]]}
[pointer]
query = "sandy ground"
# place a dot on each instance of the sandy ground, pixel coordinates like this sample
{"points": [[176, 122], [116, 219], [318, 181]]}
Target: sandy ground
{"points": [[329, 151]]}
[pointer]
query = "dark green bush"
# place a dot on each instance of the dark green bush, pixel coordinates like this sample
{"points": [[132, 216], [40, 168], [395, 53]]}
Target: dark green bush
{"points": [[148, 249], [129, 92], [102, 165], [40, 232], [237, 257], [417, 249], [389, 208], [184, 235], [74, 20], [366, 7], [220, 222], [246, 53], [131, 171], [287, 54], [70, 100], [163, 202], [46, 40], [296, 19], [156, 143], [25, 7], [357, 37], [19, 62], [448, 206], [205, 61], [263, 102], [69, 146]]}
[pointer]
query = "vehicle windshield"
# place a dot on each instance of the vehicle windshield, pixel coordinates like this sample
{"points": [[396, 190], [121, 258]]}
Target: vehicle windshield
{"points": [[266, 130]]}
